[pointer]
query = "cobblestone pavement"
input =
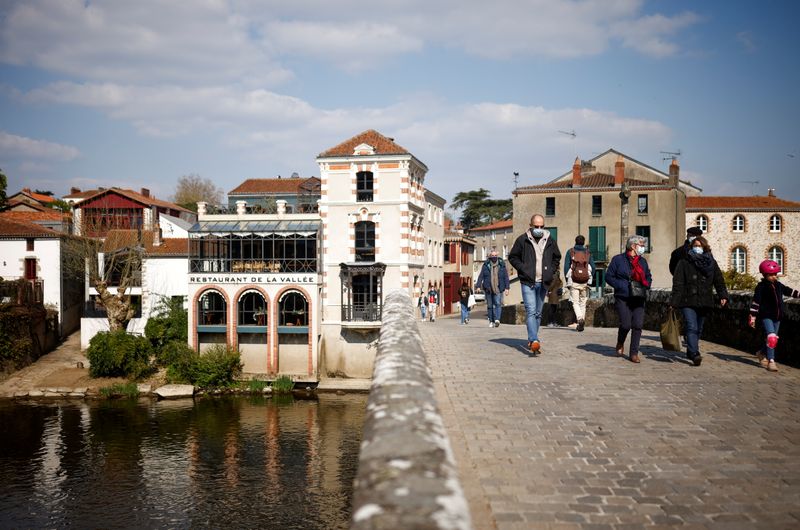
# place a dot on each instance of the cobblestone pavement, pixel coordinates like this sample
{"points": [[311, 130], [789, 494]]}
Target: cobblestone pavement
{"points": [[579, 438], [54, 367]]}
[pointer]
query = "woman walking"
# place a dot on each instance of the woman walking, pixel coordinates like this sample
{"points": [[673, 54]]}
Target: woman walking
{"points": [[695, 278], [629, 275]]}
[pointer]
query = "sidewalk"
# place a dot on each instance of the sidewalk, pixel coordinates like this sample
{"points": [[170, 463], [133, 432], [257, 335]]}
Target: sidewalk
{"points": [[579, 438]]}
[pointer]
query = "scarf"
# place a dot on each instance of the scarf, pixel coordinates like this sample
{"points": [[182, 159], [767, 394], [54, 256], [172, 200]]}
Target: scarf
{"points": [[538, 249], [494, 268], [637, 272], [703, 262]]}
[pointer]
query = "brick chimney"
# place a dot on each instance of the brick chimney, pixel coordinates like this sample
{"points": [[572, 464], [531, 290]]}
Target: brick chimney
{"points": [[674, 173], [576, 173], [771, 192], [619, 171], [145, 192], [73, 190]]}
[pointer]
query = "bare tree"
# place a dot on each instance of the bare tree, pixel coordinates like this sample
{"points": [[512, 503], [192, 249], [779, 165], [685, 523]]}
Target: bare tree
{"points": [[193, 188]]}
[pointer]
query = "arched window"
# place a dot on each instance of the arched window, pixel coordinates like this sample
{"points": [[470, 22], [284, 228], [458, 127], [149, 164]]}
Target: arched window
{"points": [[739, 259], [365, 241], [211, 309], [776, 255], [775, 223], [702, 223], [252, 309], [293, 310], [738, 223]]}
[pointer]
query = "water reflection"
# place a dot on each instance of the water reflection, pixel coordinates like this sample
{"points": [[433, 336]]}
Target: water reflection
{"points": [[237, 462]]}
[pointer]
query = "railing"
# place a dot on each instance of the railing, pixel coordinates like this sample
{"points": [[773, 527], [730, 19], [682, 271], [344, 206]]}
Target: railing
{"points": [[240, 266], [21, 291], [362, 312]]}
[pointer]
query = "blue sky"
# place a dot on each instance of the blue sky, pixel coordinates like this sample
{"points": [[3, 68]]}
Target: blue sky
{"points": [[137, 94]]}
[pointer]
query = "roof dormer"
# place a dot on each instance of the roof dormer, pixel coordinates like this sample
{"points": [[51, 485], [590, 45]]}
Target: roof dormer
{"points": [[363, 149]]}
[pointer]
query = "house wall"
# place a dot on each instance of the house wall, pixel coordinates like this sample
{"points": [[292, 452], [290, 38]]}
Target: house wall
{"points": [[163, 277], [47, 253]]}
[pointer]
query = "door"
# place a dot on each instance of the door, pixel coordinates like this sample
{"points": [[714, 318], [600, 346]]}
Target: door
{"points": [[30, 268]]}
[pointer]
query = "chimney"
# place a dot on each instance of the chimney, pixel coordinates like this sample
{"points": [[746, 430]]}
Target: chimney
{"points": [[241, 207], [281, 206], [26, 190], [576, 173], [157, 237], [73, 190], [771, 192], [145, 192], [619, 171], [201, 208], [674, 173]]}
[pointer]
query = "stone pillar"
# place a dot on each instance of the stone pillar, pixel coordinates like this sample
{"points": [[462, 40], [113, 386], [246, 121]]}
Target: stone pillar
{"points": [[281, 206], [241, 207]]}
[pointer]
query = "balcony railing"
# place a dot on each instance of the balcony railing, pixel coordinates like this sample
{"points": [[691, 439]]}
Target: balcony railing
{"points": [[253, 265], [22, 291], [361, 310]]}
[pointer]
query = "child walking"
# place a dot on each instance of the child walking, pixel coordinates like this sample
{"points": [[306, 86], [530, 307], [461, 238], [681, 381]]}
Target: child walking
{"points": [[768, 307]]}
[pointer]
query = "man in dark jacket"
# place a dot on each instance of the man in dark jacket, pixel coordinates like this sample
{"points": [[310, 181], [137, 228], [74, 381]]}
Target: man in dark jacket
{"points": [[536, 258], [493, 281], [680, 253]]}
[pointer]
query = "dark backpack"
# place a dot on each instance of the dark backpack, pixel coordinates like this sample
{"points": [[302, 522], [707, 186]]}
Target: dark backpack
{"points": [[580, 266]]}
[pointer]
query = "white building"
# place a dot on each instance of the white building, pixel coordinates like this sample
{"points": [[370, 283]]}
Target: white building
{"points": [[744, 231]]}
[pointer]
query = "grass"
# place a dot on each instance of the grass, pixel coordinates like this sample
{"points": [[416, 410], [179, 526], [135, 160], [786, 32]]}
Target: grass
{"points": [[283, 385], [256, 385], [126, 390]]}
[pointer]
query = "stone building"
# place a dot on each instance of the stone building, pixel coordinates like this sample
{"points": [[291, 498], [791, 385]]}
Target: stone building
{"points": [[433, 239], [607, 199], [499, 235], [459, 250], [743, 231]]}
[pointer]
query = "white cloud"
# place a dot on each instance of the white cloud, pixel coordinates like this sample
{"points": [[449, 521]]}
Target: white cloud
{"points": [[650, 34], [13, 146], [747, 40]]}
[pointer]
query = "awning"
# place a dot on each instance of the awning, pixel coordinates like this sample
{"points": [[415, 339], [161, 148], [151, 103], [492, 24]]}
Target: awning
{"points": [[255, 228]]}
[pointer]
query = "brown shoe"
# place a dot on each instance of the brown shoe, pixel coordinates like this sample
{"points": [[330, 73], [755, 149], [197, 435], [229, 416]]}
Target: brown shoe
{"points": [[534, 347], [620, 350], [635, 358]]}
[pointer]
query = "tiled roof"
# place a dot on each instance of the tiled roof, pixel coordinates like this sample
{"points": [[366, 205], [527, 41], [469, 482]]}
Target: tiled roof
{"points": [[16, 229], [41, 197], [32, 217], [81, 194], [274, 185], [740, 203], [134, 195], [498, 225], [117, 239], [595, 180], [381, 144], [178, 246]]}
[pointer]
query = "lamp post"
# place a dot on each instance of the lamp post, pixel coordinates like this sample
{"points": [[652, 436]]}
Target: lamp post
{"points": [[624, 195]]}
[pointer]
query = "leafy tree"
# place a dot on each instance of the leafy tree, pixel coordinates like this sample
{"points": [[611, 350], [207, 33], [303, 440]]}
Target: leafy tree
{"points": [[3, 186], [60, 204], [739, 281], [193, 188], [44, 192], [478, 209]]}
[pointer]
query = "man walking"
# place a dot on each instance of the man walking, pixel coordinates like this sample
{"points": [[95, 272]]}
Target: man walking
{"points": [[682, 251], [578, 271], [493, 281], [536, 257]]}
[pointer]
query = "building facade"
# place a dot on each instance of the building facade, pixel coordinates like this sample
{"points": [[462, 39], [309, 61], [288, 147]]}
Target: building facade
{"points": [[433, 241], [498, 235], [459, 250], [300, 194], [744, 231], [607, 199]]}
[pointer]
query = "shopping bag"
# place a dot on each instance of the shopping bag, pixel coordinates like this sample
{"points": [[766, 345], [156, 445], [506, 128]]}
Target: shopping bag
{"points": [[471, 301], [671, 332]]}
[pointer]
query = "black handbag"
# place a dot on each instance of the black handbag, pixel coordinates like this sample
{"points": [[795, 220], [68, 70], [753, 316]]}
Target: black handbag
{"points": [[637, 289]]}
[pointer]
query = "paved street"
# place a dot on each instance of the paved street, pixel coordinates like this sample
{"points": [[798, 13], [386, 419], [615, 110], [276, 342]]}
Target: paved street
{"points": [[579, 438]]}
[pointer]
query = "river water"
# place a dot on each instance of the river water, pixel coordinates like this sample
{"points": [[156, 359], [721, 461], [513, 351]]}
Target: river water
{"points": [[238, 462]]}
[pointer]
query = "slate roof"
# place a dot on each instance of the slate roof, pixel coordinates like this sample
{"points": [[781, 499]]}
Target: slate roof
{"points": [[383, 145], [17, 229], [275, 186], [757, 203]]}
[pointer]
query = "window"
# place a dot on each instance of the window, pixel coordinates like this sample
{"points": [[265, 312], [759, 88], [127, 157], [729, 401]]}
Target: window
{"points": [[641, 204], [29, 244], [597, 205], [701, 221], [738, 223], [553, 232], [450, 253], [550, 206], [252, 309], [774, 223], [362, 297], [30, 268], [365, 241], [505, 251], [776, 255], [494, 235], [597, 242], [644, 231], [293, 310], [211, 309], [364, 186], [739, 260]]}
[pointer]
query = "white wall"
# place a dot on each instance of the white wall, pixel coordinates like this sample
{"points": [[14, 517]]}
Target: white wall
{"points": [[48, 264], [163, 276]]}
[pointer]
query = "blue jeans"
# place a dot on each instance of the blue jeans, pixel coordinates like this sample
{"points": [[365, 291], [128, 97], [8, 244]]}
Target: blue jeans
{"points": [[770, 326], [423, 309], [464, 312], [494, 305], [533, 298], [694, 318]]}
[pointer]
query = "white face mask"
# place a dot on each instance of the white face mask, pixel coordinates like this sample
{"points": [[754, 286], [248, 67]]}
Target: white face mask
{"points": [[640, 250], [538, 232], [697, 250]]}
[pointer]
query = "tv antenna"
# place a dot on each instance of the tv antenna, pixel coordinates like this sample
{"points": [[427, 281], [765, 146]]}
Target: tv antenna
{"points": [[516, 179], [569, 133], [670, 154], [753, 184]]}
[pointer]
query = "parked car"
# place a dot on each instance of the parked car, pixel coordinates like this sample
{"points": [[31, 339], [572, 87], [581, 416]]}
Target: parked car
{"points": [[480, 296]]}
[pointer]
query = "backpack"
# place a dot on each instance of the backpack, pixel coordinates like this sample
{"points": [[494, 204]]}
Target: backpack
{"points": [[579, 266], [431, 297]]}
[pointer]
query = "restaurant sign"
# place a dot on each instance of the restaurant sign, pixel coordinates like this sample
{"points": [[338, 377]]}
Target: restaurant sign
{"points": [[253, 278]]}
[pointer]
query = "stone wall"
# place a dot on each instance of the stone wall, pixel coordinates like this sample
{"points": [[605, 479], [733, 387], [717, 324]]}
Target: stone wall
{"points": [[727, 326], [406, 472]]}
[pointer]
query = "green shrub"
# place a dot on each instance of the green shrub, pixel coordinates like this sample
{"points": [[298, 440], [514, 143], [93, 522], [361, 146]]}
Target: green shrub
{"points": [[256, 385], [738, 281], [117, 354], [170, 323], [215, 368], [174, 352], [283, 385], [128, 390]]}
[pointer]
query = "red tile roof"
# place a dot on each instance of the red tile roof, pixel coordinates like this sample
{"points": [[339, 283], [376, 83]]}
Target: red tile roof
{"points": [[498, 225], [38, 216], [740, 203], [275, 185], [382, 145], [17, 229], [595, 180], [178, 246], [81, 194], [117, 239]]}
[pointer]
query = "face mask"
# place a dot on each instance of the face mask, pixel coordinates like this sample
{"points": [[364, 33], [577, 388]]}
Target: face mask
{"points": [[640, 251], [538, 232], [692, 238], [697, 250], [493, 258]]}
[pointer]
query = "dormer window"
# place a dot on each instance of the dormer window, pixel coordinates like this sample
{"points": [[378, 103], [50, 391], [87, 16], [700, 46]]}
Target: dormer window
{"points": [[363, 149]]}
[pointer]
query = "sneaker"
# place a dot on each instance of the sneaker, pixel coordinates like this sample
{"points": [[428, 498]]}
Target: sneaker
{"points": [[491, 324], [772, 367], [579, 327], [762, 359], [534, 346], [497, 323], [697, 359], [467, 321]]}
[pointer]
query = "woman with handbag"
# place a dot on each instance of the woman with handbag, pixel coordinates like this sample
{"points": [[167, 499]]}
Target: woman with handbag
{"points": [[696, 277], [629, 275]]}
